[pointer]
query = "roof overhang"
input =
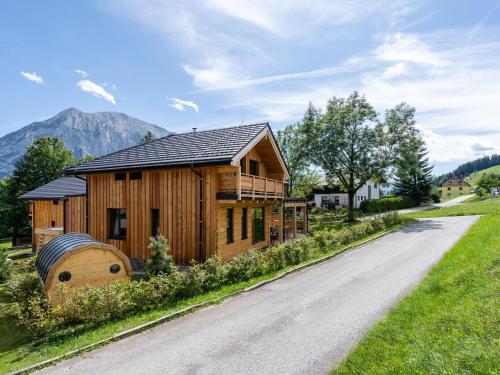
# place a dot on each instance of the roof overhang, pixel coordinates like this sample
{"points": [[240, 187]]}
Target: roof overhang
{"points": [[266, 132]]}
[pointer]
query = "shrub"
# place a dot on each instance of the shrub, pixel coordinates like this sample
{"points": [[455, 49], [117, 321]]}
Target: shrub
{"points": [[214, 274], [275, 258], [35, 315], [5, 266], [387, 204], [25, 285], [244, 267], [159, 260]]}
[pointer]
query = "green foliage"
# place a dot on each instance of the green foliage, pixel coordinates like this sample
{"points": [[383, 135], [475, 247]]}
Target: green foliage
{"points": [[291, 141], [5, 265], [383, 204], [159, 260], [148, 137], [488, 181], [470, 168], [93, 306], [43, 162]]}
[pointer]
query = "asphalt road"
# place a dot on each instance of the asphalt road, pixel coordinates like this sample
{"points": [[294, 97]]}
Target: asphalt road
{"points": [[302, 324]]}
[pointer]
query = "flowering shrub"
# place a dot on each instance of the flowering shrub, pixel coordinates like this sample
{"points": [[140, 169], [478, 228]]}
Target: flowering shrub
{"points": [[121, 299]]}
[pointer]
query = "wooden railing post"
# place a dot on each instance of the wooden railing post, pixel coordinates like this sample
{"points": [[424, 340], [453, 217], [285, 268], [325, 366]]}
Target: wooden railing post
{"points": [[238, 183], [265, 188], [253, 187]]}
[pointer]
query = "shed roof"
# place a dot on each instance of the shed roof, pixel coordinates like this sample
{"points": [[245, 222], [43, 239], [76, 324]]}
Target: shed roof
{"points": [[61, 188], [209, 147], [57, 247]]}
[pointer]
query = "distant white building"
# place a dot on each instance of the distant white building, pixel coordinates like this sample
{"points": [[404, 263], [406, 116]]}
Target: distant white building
{"points": [[334, 198]]}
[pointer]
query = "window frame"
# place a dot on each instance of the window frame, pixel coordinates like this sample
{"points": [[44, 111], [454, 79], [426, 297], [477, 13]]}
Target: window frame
{"points": [[120, 176], [244, 223], [120, 215], [229, 225], [256, 239], [155, 227], [134, 176], [254, 163]]}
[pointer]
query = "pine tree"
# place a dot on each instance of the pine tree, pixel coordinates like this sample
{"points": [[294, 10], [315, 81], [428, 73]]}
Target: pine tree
{"points": [[413, 174], [148, 137]]}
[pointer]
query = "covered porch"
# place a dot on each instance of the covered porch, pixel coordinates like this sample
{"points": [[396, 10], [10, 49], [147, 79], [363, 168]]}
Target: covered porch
{"points": [[289, 220]]}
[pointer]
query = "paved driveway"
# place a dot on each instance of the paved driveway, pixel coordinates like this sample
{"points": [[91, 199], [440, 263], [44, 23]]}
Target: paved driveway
{"points": [[451, 202], [302, 324]]}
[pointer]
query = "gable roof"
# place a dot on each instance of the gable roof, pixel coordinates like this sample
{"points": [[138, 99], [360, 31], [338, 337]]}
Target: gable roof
{"points": [[60, 188], [209, 147]]}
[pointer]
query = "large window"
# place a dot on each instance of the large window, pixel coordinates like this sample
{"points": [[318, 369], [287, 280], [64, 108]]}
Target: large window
{"points": [[117, 223], [244, 221], [259, 233], [155, 222], [229, 225]]}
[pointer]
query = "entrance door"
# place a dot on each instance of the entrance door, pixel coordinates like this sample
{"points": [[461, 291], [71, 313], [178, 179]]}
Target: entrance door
{"points": [[369, 192]]}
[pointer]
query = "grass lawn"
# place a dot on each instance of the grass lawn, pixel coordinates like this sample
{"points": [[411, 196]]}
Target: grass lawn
{"points": [[20, 351], [471, 207], [5, 243], [450, 324]]}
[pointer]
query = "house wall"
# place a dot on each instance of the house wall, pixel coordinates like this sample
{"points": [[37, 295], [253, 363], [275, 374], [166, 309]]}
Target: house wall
{"points": [[46, 214], [229, 250], [361, 195]]}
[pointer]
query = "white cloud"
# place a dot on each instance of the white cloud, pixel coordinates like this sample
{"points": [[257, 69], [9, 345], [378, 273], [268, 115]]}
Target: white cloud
{"points": [[81, 73], [181, 105], [32, 77], [96, 90]]}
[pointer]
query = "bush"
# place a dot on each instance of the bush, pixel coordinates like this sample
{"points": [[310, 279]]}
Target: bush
{"points": [[372, 206], [5, 266], [159, 260], [97, 305]]}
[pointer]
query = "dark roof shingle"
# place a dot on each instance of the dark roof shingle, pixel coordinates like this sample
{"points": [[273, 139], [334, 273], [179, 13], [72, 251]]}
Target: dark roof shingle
{"points": [[58, 189], [203, 147]]}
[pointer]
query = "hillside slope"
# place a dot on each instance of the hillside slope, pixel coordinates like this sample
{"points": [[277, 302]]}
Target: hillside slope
{"points": [[473, 178], [83, 133]]}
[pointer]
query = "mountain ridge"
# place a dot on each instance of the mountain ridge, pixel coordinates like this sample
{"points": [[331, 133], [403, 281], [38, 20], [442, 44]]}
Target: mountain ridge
{"points": [[84, 133]]}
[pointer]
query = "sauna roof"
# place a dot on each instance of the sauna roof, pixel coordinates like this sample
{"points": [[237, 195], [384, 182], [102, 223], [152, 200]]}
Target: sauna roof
{"points": [[60, 188], [199, 148]]}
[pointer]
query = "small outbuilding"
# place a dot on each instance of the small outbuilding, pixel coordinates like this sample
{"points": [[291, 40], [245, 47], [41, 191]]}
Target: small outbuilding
{"points": [[77, 260]]}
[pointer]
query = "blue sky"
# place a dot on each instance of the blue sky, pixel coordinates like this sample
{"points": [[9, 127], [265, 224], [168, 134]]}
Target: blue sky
{"points": [[211, 63]]}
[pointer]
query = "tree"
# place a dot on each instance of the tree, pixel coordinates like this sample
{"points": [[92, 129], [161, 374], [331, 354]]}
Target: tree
{"points": [[488, 181], [148, 137], [43, 162], [159, 260], [342, 142], [291, 142], [413, 174]]}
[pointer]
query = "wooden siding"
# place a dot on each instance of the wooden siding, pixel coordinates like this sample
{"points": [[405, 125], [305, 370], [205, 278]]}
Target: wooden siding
{"points": [[175, 192], [226, 250], [76, 218]]}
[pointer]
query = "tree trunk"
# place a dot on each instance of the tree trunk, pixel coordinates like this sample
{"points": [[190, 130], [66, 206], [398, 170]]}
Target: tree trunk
{"points": [[350, 213]]}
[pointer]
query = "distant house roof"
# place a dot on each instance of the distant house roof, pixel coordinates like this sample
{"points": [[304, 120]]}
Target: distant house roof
{"points": [[455, 181], [61, 188], [209, 147]]}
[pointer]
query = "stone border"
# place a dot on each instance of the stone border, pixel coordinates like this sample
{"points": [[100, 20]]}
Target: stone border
{"points": [[192, 308]]}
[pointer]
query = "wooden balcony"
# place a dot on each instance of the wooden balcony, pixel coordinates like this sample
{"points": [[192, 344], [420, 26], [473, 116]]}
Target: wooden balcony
{"points": [[233, 185]]}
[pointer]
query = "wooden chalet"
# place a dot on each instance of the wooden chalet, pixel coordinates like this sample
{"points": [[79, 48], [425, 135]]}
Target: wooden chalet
{"points": [[56, 208], [208, 192]]}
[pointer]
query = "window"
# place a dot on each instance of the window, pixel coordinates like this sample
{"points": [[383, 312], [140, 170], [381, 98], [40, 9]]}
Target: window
{"points": [[244, 222], [55, 203], [449, 188], [120, 176], [135, 175], [229, 225], [449, 182], [259, 233], [117, 223], [155, 222], [459, 188], [52, 223], [254, 167], [243, 165], [375, 185]]}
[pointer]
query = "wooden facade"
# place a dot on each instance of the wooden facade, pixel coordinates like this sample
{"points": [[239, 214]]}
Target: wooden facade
{"points": [[56, 216]]}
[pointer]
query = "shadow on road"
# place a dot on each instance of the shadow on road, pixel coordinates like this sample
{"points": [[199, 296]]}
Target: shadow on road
{"points": [[422, 226]]}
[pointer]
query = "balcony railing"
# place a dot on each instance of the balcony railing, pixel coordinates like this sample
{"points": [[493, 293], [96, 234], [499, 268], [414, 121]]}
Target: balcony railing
{"points": [[236, 186]]}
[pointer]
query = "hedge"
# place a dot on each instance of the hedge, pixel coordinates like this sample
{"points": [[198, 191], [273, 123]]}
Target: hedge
{"points": [[93, 306], [373, 206]]}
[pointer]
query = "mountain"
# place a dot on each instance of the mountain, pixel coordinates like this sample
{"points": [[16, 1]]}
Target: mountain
{"points": [[84, 133], [470, 167]]}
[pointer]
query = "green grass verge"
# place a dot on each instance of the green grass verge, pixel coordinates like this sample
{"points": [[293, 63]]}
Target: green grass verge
{"points": [[20, 351], [450, 324], [475, 207]]}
